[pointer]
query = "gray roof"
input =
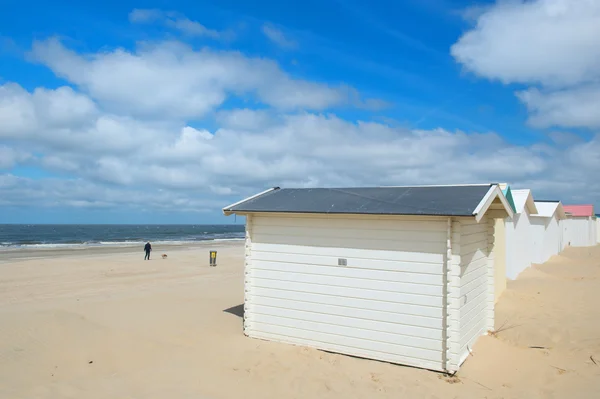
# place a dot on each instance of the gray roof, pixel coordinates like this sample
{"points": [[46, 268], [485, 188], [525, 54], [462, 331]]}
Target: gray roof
{"points": [[420, 200]]}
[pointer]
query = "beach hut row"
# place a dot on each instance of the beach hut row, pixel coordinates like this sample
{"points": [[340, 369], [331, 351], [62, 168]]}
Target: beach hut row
{"points": [[407, 275], [598, 228], [541, 229]]}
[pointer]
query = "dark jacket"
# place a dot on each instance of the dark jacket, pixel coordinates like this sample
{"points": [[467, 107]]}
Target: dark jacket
{"points": [[147, 247]]}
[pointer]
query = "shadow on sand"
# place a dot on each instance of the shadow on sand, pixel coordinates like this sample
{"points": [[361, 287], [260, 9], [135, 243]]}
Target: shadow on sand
{"points": [[236, 310]]}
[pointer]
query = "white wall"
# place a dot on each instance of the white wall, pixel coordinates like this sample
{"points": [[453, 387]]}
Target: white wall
{"points": [[579, 232], [386, 304], [552, 239], [499, 258], [547, 238], [564, 233], [538, 232], [476, 281], [519, 244]]}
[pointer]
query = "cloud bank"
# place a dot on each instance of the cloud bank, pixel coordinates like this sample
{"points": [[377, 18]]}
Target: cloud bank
{"points": [[551, 46], [167, 126]]}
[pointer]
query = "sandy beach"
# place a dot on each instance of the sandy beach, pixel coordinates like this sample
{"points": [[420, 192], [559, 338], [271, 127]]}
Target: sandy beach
{"points": [[104, 323]]}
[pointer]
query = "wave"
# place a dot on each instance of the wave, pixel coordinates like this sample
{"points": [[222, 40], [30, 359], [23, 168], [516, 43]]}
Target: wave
{"points": [[95, 244]]}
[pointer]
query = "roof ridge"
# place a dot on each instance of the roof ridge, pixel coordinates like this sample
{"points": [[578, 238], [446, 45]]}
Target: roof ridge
{"points": [[365, 187]]}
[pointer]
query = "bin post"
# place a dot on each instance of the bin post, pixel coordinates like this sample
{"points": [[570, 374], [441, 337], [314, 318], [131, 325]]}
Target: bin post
{"points": [[213, 258]]}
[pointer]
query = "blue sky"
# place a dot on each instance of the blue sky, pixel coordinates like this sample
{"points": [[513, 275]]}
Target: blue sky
{"points": [[167, 111]]}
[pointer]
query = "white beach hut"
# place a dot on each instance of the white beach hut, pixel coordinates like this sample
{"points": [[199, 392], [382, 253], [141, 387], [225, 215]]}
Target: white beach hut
{"points": [[500, 245], [547, 230], [598, 228], [519, 239], [579, 228], [398, 274]]}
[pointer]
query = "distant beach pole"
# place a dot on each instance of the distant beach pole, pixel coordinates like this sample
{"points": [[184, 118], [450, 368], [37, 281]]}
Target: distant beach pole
{"points": [[213, 258]]}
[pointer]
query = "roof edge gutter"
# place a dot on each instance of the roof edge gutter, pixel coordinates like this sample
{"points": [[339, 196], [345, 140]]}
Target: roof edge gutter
{"points": [[227, 210]]}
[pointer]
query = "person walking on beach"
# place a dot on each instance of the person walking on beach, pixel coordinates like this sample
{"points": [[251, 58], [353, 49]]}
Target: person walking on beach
{"points": [[147, 248]]}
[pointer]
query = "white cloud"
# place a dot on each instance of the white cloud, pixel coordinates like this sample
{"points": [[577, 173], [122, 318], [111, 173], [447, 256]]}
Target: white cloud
{"points": [[10, 157], [178, 22], [193, 28], [554, 44], [254, 149], [139, 16], [63, 120], [20, 110], [244, 119], [137, 130], [575, 107], [278, 37], [79, 193], [173, 80], [16, 111], [471, 14]]}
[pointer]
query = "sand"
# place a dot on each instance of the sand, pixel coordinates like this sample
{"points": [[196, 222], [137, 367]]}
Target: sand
{"points": [[106, 324]]}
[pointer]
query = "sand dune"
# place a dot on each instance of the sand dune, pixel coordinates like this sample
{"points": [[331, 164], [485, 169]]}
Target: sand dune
{"points": [[107, 325]]}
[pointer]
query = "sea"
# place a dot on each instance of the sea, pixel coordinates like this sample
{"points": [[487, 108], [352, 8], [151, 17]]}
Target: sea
{"points": [[25, 236]]}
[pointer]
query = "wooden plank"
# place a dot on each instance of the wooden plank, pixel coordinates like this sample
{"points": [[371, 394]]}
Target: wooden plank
{"points": [[476, 256], [472, 228], [468, 287], [397, 297], [349, 271], [348, 282], [473, 238], [474, 247], [359, 222], [473, 301], [473, 268], [346, 311], [472, 338], [421, 337], [332, 344], [398, 347], [474, 313], [352, 243], [478, 253], [393, 255], [353, 232], [404, 271], [473, 331], [424, 316]]}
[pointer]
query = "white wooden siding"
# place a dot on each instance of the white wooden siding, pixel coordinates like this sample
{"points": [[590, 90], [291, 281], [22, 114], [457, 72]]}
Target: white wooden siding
{"points": [[386, 304], [538, 232], [547, 238], [476, 281], [579, 232], [247, 267], [553, 238], [491, 282], [453, 298], [518, 244]]}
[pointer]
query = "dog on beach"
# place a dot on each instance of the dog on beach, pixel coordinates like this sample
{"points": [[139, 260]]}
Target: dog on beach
{"points": [[164, 256]]}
